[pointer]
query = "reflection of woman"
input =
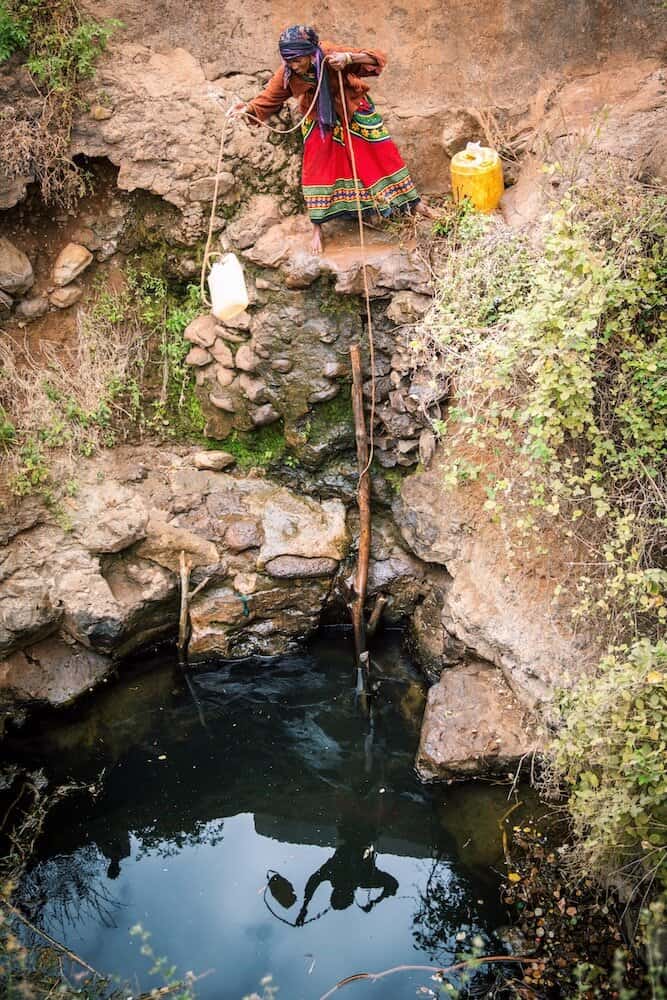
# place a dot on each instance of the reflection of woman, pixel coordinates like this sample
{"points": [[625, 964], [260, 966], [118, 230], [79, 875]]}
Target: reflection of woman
{"points": [[350, 868], [328, 181]]}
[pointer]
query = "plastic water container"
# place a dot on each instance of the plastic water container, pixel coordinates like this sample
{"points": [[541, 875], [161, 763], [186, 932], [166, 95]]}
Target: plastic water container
{"points": [[227, 288], [477, 174]]}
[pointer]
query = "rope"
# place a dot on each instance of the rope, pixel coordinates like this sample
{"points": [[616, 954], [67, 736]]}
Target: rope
{"points": [[360, 220], [362, 244], [223, 136]]}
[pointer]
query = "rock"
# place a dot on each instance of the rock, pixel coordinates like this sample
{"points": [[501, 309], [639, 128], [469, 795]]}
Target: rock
{"points": [[216, 461], [459, 128], [323, 395], [224, 376], [99, 113], [299, 526], [258, 216], [53, 672], [500, 610], [204, 188], [221, 353], [254, 389], [108, 517], [473, 725], [244, 534], [16, 274], [70, 263], [28, 608], [282, 365], [264, 415], [164, 543], [147, 596], [294, 567], [198, 357], [202, 331], [246, 359], [223, 401], [6, 303], [408, 307], [335, 369], [32, 308], [426, 447], [63, 298]]}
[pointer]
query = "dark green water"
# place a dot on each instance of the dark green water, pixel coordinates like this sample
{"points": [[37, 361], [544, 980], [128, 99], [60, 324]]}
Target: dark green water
{"points": [[264, 827]]}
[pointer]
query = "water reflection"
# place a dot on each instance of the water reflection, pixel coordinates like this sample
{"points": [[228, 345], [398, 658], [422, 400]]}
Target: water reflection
{"points": [[286, 827]]}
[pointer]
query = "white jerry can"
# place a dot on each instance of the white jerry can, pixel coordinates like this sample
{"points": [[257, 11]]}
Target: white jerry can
{"points": [[226, 284]]}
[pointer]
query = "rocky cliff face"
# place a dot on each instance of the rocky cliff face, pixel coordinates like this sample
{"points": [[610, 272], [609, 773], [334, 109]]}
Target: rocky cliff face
{"points": [[271, 559]]}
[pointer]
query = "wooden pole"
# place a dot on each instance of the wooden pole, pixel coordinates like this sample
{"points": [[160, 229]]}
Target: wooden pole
{"points": [[185, 567], [364, 502]]}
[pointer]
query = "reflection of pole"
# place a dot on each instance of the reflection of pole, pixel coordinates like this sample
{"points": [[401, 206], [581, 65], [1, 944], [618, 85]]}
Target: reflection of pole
{"points": [[364, 502]]}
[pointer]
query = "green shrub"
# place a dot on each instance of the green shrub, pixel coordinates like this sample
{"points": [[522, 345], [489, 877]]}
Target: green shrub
{"points": [[611, 755], [13, 32]]}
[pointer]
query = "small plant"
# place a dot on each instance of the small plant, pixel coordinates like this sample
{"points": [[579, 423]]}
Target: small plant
{"points": [[13, 32]]}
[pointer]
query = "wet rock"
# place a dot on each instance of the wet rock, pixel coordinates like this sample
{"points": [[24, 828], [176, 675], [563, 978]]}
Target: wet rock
{"points": [[261, 213], [32, 308], [244, 534], [16, 274], [202, 331], [294, 567], [164, 543], [198, 357], [63, 298], [53, 672], [216, 461], [264, 415], [473, 725], [70, 263], [108, 517]]}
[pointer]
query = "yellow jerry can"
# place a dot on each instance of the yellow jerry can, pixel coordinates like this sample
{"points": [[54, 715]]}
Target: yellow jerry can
{"points": [[477, 174]]}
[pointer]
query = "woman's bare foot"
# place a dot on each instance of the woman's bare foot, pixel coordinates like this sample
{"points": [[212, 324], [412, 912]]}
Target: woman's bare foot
{"points": [[316, 239], [421, 208]]}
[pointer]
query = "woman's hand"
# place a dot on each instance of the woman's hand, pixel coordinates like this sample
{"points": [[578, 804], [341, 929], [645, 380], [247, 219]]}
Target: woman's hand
{"points": [[339, 60], [236, 110]]}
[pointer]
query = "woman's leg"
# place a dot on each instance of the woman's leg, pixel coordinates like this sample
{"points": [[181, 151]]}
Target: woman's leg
{"points": [[316, 239]]}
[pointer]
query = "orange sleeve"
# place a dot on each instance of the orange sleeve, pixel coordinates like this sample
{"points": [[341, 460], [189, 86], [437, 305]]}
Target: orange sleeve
{"points": [[272, 97], [360, 68]]}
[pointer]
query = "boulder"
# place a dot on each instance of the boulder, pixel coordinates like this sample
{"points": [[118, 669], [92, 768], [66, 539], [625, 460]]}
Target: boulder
{"points": [[408, 307], [108, 517], [216, 461], [473, 725], [198, 357], [32, 308], [261, 416], [221, 353], [295, 567], [63, 298], [202, 331], [164, 543], [300, 526], [28, 608], [243, 534], [16, 274], [70, 263], [246, 359], [261, 212], [53, 672]]}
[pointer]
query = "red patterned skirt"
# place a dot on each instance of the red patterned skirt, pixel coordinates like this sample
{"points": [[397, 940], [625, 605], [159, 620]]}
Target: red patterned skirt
{"points": [[328, 183]]}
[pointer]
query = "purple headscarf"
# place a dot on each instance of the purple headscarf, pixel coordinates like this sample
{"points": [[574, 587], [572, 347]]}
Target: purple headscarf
{"points": [[300, 40]]}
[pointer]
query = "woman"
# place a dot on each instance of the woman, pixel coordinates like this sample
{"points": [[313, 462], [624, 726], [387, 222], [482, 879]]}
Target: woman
{"points": [[385, 184]]}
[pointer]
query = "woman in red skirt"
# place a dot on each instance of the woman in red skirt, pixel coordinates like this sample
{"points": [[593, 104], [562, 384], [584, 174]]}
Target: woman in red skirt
{"points": [[385, 185]]}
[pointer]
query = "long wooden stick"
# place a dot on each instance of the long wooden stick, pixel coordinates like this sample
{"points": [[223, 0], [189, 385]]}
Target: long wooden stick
{"points": [[364, 502], [185, 567], [471, 962]]}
